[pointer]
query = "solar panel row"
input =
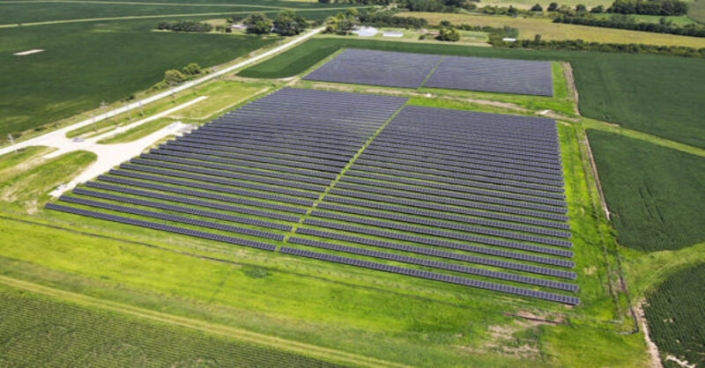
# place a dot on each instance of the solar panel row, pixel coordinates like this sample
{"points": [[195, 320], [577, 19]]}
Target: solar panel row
{"points": [[416, 207], [146, 165], [182, 199], [181, 209], [437, 264], [519, 233], [192, 193], [445, 189], [395, 213], [162, 227], [211, 179], [183, 183], [460, 256], [570, 300], [172, 218], [430, 241]]}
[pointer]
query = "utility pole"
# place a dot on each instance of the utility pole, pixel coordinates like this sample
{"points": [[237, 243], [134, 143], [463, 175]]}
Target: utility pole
{"points": [[93, 121]]}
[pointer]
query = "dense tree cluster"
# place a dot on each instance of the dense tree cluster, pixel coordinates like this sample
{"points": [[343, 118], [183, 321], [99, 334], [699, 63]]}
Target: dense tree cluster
{"points": [[258, 23], [288, 23], [624, 22], [447, 6], [342, 23], [185, 26], [649, 7], [388, 19]]}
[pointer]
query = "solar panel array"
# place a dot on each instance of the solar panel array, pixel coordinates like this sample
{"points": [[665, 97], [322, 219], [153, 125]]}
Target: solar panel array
{"points": [[379, 68], [408, 70], [463, 198], [494, 75]]}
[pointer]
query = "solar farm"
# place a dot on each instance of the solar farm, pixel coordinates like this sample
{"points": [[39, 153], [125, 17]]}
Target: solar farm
{"points": [[407, 70], [460, 197]]}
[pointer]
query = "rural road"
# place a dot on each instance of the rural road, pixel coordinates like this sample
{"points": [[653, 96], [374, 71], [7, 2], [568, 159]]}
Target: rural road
{"points": [[46, 139]]}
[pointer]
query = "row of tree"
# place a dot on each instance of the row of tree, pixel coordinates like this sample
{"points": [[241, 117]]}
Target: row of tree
{"points": [[625, 22], [185, 26], [580, 45], [649, 7]]}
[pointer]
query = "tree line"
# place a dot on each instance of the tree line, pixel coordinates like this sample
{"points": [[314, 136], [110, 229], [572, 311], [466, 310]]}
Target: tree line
{"points": [[580, 45], [185, 26], [624, 22]]}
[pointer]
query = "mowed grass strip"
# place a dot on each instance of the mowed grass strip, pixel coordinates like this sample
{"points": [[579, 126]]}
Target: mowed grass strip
{"points": [[530, 27], [655, 194]]}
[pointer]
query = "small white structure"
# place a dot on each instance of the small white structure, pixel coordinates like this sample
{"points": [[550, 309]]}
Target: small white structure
{"points": [[392, 34], [365, 31], [508, 39], [28, 52]]}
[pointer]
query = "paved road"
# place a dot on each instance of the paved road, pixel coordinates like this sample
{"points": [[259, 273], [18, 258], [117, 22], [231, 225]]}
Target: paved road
{"points": [[46, 139]]}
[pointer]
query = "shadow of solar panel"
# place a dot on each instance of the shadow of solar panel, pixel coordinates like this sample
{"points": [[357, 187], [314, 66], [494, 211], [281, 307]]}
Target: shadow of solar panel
{"points": [[493, 75], [379, 68], [434, 276], [162, 227]]}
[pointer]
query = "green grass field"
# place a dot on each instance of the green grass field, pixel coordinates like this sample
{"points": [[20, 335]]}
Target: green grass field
{"points": [[654, 193], [652, 94], [674, 312], [697, 11], [114, 60], [37, 330]]}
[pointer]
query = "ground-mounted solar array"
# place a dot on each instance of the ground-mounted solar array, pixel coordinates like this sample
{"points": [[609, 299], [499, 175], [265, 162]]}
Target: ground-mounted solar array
{"points": [[379, 68], [408, 70], [523, 77], [464, 198]]}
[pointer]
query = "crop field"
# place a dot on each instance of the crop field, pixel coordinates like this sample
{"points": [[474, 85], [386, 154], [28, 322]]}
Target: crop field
{"points": [[31, 12], [654, 193], [529, 27], [652, 94], [674, 312], [115, 60], [37, 330]]}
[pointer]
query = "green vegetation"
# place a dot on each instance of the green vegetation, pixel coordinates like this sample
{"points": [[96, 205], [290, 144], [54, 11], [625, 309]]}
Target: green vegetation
{"points": [[66, 79], [25, 185], [652, 94], [697, 11], [654, 193], [38, 331], [674, 312], [139, 131]]}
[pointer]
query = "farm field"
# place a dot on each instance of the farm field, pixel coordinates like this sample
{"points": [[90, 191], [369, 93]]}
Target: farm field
{"points": [[115, 60], [654, 193], [529, 27], [674, 312], [30, 12], [639, 92], [37, 330]]}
